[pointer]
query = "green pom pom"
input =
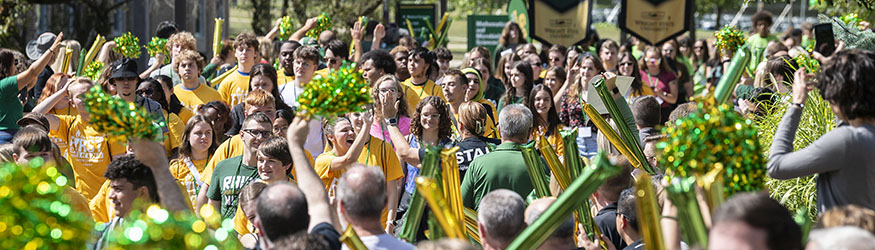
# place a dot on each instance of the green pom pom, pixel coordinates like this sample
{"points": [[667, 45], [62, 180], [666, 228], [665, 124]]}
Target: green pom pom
{"points": [[157, 228], [710, 137], [342, 91], [119, 119], [128, 46], [729, 38], [323, 23], [93, 70], [158, 45], [285, 28], [37, 211], [812, 66]]}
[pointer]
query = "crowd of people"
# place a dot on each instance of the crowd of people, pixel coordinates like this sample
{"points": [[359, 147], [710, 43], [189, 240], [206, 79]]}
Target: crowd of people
{"points": [[234, 141]]}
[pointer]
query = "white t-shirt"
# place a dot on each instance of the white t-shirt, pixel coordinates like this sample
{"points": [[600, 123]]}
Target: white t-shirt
{"points": [[383, 241], [314, 145]]}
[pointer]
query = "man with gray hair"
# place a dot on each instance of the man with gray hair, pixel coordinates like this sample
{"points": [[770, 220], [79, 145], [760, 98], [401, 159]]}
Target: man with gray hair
{"points": [[563, 237], [361, 194], [504, 167], [841, 238], [500, 218]]}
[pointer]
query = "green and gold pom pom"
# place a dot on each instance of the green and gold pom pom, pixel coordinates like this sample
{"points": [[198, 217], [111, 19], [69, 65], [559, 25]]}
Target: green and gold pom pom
{"points": [[323, 23], [38, 211], [285, 28], [711, 137], [851, 19], [93, 70], [812, 66], [342, 91], [158, 45], [729, 38], [157, 228], [128, 46], [119, 119]]}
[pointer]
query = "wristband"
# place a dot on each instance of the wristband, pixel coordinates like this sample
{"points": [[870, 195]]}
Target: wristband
{"points": [[392, 121], [800, 105]]}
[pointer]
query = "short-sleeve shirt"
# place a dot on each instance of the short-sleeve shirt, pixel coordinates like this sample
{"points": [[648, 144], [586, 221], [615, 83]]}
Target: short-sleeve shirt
{"points": [[88, 151], [282, 78], [12, 109], [415, 93], [660, 82], [502, 168], [228, 149], [234, 88], [180, 170], [229, 177], [471, 148], [192, 98]]}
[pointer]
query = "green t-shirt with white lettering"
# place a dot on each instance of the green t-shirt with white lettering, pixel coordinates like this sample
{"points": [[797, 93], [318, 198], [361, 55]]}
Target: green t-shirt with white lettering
{"points": [[229, 177]]}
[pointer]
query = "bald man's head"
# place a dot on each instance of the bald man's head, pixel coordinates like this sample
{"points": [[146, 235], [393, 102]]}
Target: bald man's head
{"points": [[362, 193], [562, 238], [282, 211]]}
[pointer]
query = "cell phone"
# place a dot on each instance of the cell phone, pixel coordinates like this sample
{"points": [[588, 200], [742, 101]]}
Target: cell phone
{"points": [[824, 39]]}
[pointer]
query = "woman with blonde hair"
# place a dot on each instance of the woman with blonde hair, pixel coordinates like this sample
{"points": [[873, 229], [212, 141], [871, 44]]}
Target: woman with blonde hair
{"points": [[472, 123], [55, 83], [389, 87]]}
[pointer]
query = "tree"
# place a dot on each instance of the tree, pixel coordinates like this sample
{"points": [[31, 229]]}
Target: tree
{"points": [[262, 21], [343, 13], [470, 7], [718, 6]]}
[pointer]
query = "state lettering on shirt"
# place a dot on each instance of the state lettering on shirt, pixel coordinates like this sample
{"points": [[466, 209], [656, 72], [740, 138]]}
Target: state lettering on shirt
{"points": [[86, 149], [469, 155]]}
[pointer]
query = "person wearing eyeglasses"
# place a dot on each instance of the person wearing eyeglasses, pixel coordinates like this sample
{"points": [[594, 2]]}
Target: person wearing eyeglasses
{"points": [[125, 79], [232, 174], [628, 67], [656, 74]]}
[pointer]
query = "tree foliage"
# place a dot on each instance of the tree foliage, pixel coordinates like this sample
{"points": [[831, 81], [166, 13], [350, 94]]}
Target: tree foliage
{"points": [[343, 13]]}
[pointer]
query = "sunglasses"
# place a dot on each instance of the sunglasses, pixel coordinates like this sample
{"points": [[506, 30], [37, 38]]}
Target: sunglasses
{"points": [[145, 91], [626, 64]]}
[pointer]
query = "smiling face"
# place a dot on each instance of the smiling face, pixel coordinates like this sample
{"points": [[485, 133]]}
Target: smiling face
{"points": [[201, 137], [626, 66], [430, 118], [557, 59], [270, 169], [543, 103], [254, 133], [517, 79], [668, 50], [280, 126], [473, 86], [343, 135], [551, 80], [588, 69], [652, 60], [123, 194]]}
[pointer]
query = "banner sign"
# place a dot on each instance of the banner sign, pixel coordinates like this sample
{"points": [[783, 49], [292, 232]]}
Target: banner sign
{"points": [[560, 21], [485, 30], [416, 13], [655, 21], [519, 13]]}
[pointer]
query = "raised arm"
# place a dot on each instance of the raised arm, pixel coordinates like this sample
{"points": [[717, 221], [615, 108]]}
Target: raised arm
{"points": [[310, 24], [341, 162], [379, 34], [357, 32], [152, 154], [49, 103], [308, 180], [405, 153], [28, 77], [159, 60], [275, 30]]}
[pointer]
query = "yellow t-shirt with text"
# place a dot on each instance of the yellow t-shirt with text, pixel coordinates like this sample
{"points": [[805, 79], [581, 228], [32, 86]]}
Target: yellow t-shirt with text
{"points": [[88, 151], [234, 88], [180, 170]]}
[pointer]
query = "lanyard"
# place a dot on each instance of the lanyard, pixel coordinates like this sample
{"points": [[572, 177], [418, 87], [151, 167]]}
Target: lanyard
{"points": [[195, 175], [650, 81]]}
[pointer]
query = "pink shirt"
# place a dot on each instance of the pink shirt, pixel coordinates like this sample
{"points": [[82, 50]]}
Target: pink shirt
{"points": [[382, 134]]}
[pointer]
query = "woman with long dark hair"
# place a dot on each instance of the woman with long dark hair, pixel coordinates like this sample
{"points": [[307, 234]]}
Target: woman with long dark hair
{"points": [[518, 86], [628, 67], [656, 73], [546, 122], [511, 36], [199, 141]]}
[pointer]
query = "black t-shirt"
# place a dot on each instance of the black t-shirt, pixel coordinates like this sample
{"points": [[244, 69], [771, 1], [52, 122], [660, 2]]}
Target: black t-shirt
{"points": [[470, 148], [606, 220], [327, 231]]}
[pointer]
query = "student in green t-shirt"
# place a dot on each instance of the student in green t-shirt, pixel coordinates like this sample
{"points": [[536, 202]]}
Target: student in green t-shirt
{"points": [[232, 174], [13, 82], [762, 25]]}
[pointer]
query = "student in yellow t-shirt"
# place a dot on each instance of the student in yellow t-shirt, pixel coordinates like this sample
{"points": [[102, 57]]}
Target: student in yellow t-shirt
{"points": [[153, 89], [88, 151], [233, 88], [64, 107], [191, 93], [346, 147], [379, 153], [198, 143], [546, 120], [31, 143], [421, 64], [286, 72]]}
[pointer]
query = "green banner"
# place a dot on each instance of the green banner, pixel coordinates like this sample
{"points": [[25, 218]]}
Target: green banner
{"points": [[485, 30], [518, 13], [416, 13]]}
